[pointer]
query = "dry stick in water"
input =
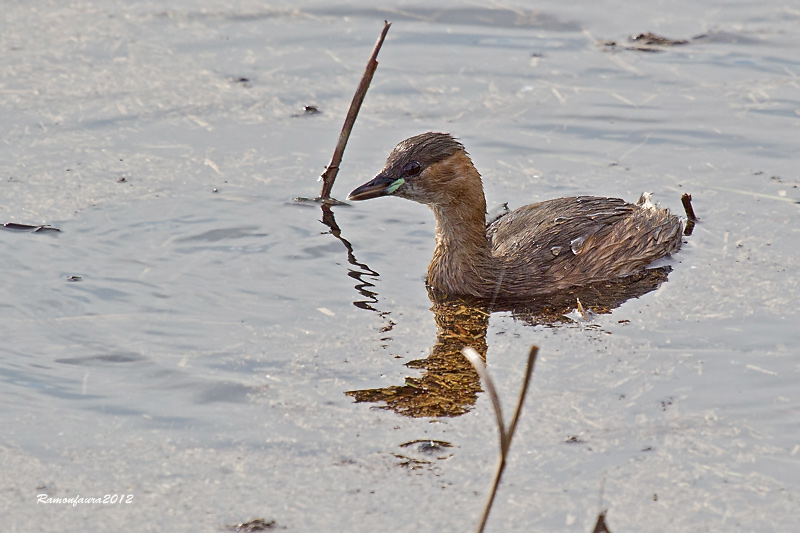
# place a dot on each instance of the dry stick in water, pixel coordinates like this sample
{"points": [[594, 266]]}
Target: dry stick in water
{"points": [[686, 200], [691, 218], [329, 176], [506, 433]]}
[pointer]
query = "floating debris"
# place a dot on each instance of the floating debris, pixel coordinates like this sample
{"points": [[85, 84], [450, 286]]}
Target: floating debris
{"points": [[259, 524], [13, 226], [583, 313], [651, 39], [241, 80], [308, 110], [647, 42], [428, 446], [301, 200]]}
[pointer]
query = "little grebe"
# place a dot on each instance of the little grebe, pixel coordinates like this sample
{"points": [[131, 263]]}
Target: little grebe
{"points": [[537, 249]]}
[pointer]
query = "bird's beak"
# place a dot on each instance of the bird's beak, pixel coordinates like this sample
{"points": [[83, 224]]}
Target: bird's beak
{"points": [[381, 185]]}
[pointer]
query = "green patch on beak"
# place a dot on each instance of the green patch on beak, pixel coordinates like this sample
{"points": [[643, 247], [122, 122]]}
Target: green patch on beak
{"points": [[393, 187], [382, 185]]}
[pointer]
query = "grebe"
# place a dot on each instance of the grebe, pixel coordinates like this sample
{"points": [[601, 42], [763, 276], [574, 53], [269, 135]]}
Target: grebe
{"points": [[541, 248]]}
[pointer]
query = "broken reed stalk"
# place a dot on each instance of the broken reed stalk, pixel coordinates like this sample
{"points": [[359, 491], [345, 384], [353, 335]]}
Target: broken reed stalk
{"points": [[506, 432], [329, 176], [686, 200], [691, 218]]}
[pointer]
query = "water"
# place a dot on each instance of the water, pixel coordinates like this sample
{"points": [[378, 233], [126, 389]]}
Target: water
{"points": [[202, 360]]}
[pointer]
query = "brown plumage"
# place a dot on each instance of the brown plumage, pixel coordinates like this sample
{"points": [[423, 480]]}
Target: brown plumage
{"points": [[537, 249]]}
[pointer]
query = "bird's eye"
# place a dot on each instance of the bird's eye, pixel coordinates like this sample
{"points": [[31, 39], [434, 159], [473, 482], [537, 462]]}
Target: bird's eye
{"points": [[412, 168]]}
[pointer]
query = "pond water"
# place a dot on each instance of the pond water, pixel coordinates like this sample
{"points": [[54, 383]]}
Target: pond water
{"points": [[197, 339]]}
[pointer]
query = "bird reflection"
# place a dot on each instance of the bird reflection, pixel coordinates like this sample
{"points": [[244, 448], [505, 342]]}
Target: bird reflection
{"points": [[449, 385]]}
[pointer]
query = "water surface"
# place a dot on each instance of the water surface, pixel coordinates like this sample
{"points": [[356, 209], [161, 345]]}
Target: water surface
{"points": [[190, 335]]}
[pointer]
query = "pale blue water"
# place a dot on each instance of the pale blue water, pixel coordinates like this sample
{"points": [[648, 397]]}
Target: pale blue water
{"points": [[200, 363]]}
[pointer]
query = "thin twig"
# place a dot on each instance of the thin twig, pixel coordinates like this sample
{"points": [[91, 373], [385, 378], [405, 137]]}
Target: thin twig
{"points": [[686, 200], [691, 218], [522, 393], [506, 433], [486, 379], [329, 176], [600, 526], [501, 465]]}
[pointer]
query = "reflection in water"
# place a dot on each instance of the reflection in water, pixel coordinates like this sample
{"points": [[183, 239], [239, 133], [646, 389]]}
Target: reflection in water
{"points": [[362, 269], [598, 298], [449, 384]]}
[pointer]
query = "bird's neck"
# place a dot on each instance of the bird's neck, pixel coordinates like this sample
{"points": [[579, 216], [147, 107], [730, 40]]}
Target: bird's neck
{"points": [[460, 231], [462, 256]]}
